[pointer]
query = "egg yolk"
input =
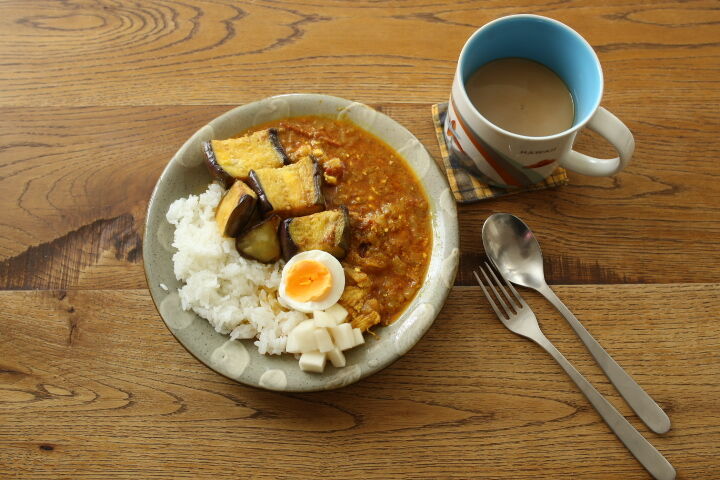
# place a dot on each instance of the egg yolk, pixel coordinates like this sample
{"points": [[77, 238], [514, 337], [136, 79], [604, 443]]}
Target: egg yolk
{"points": [[308, 281]]}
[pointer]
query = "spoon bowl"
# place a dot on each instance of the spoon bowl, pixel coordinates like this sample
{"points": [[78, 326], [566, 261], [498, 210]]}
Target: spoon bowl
{"points": [[513, 249]]}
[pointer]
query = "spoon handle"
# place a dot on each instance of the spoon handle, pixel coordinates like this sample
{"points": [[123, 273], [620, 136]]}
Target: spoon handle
{"points": [[644, 406], [653, 461]]}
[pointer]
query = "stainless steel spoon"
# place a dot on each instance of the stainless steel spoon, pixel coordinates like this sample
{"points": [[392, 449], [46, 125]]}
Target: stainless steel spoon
{"points": [[515, 252]]}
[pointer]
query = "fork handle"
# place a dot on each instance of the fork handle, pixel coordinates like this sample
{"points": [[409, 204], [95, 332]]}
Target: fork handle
{"points": [[653, 461], [644, 406]]}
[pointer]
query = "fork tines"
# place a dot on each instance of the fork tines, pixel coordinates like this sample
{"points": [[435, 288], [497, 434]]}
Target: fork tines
{"points": [[512, 306]]}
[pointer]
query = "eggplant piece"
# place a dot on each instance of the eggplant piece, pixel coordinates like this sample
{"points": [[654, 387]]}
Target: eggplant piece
{"points": [[275, 141], [216, 171], [261, 241], [235, 157], [291, 191], [328, 231], [236, 209]]}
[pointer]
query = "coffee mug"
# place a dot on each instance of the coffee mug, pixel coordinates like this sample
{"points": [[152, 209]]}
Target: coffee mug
{"points": [[507, 159]]}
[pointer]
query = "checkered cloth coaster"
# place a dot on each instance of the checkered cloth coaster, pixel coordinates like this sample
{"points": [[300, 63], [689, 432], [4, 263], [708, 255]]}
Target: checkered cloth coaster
{"points": [[468, 188]]}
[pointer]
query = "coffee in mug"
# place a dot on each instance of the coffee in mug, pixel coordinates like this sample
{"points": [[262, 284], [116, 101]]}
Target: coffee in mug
{"points": [[511, 138], [521, 96]]}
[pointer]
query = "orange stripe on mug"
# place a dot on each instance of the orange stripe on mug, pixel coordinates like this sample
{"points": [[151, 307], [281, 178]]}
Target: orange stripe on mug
{"points": [[506, 176], [457, 141]]}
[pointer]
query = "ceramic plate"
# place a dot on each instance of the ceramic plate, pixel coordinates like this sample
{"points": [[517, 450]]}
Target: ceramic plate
{"points": [[238, 359]]}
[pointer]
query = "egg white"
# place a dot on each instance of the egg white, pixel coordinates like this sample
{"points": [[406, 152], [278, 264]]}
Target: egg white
{"points": [[337, 282]]}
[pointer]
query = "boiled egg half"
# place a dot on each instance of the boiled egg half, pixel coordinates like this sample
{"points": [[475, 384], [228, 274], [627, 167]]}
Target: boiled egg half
{"points": [[311, 280]]}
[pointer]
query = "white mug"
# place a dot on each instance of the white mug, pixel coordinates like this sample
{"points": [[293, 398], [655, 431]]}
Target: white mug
{"points": [[508, 159]]}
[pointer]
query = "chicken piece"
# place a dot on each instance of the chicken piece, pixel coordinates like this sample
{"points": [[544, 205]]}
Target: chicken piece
{"points": [[372, 304], [353, 298], [357, 277], [365, 321], [373, 261], [333, 170], [358, 303]]}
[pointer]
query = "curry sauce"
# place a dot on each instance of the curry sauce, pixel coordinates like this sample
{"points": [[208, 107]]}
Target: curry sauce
{"points": [[390, 235]]}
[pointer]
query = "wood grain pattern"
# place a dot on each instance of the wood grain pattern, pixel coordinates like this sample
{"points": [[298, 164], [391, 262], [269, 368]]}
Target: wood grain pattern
{"points": [[97, 95], [225, 52], [97, 393], [85, 174]]}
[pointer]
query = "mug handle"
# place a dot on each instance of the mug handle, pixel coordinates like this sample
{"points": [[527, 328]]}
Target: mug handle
{"points": [[615, 132]]}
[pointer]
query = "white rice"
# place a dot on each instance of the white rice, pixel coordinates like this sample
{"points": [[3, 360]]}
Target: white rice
{"points": [[237, 296]]}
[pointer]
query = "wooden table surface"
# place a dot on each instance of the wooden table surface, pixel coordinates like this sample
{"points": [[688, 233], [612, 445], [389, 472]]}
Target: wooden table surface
{"points": [[96, 96]]}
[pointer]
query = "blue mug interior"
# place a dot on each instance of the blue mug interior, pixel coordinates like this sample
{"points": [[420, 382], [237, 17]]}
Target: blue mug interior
{"points": [[545, 41]]}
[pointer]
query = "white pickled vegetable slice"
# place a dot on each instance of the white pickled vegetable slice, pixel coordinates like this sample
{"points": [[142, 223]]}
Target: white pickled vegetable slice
{"points": [[324, 319], [338, 312], [312, 362], [323, 340], [359, 340], [305, 336], [292, 344], [343, 336], [336, 357]]}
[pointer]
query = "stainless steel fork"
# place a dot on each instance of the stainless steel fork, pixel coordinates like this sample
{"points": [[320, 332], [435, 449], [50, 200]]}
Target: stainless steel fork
{"points": [[516, 315]]}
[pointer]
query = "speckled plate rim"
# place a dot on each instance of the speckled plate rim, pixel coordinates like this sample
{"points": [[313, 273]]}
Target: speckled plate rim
{"points": [[239, 360]]}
